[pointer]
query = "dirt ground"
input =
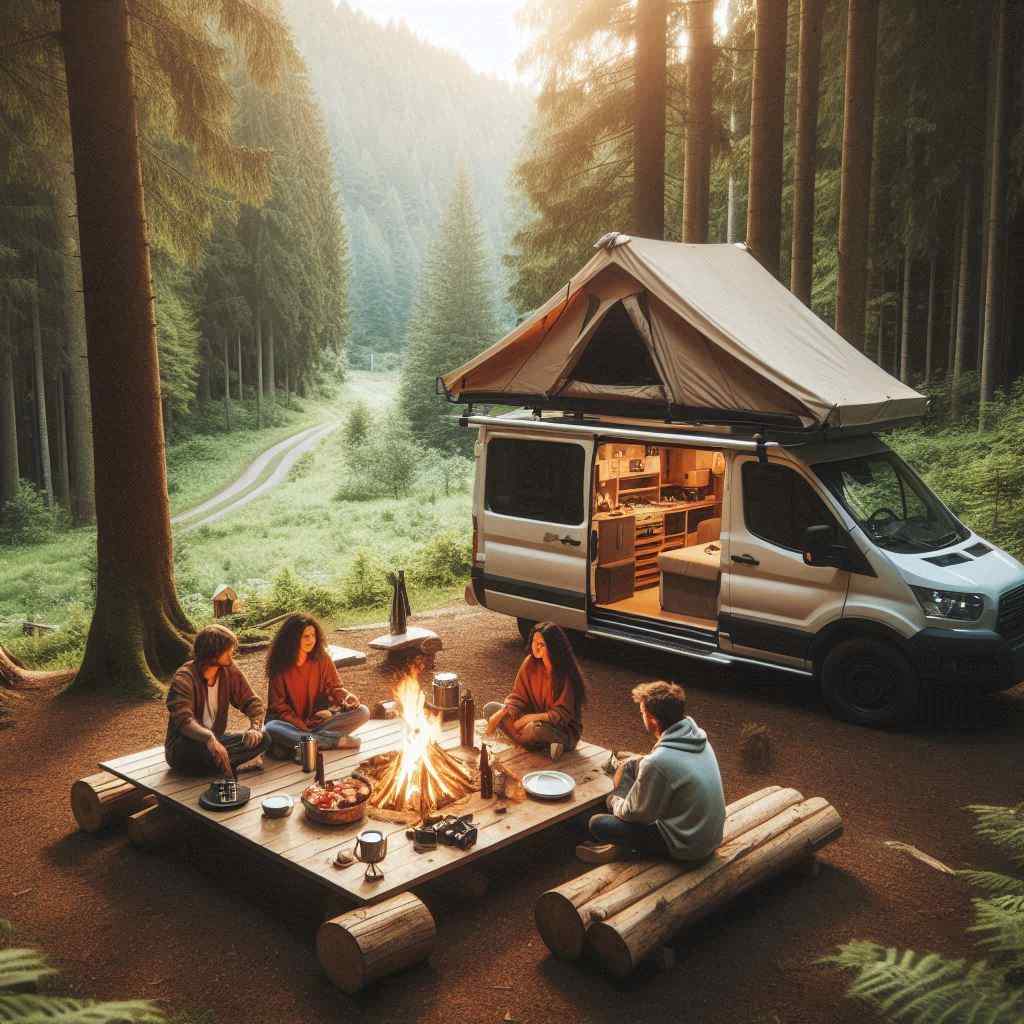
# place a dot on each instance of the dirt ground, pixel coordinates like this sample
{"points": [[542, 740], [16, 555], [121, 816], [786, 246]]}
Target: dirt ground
{"points": [[197, 931]]}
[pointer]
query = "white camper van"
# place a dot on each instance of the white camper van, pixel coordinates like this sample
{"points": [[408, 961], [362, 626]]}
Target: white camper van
{"points": [[696, 471]]}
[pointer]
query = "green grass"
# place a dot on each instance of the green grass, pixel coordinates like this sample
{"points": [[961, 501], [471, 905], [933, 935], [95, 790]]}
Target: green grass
{"points": [[299, 526]]}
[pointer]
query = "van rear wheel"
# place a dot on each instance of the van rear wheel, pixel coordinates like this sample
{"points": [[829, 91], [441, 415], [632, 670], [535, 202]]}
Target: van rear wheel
{"points": [[868, 682]]}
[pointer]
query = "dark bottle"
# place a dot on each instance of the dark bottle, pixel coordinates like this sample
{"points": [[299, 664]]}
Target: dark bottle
{"points": [[319, 767], [486, 775], [467, 720]]}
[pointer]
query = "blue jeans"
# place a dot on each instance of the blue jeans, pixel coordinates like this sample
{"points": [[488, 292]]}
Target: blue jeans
{"points": [[327, 733], [606, 828]]}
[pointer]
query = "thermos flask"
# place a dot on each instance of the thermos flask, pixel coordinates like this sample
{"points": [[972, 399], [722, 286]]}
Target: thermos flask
{"points": [[308, 748], [467, 720]]}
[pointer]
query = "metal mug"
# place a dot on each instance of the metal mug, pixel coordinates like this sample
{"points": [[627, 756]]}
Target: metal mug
{"points": [[444, 690], [371, 848], [307, 752]]}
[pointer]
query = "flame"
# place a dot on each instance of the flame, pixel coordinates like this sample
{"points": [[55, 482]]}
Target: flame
{"points": [[423, 776]]}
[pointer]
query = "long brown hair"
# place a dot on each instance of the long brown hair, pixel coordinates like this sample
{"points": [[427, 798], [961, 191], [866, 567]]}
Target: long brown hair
{"points": [[284, 648], [564, 666], [210, 643]]}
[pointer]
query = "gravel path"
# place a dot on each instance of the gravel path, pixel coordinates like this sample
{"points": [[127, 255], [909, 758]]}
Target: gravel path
{"points": [[264, 473], [197, 929]]}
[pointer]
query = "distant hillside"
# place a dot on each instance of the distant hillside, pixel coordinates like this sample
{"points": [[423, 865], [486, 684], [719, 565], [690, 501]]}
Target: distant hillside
{"points": [[402, 116]]}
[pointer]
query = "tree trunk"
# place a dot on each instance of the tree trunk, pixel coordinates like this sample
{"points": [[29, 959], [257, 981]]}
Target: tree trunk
{"points": [[855, 176], [933, 300], [227, 388], [62, 482], [767, 115], [13, 673], [730, 209], [697, 158], [877, 215], [963, 302], [650, 88], [259, 367], [79, 407], [238, 340], [39, 389], [138, 628], [271, 375], [908, 275], [204, 374], [996, 218], [9, 472], [954, 287], [287, 381], [802, 260]]}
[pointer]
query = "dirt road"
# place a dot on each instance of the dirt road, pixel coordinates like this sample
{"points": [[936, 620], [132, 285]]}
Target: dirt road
{"points": [[263, 475], [198, 929]]}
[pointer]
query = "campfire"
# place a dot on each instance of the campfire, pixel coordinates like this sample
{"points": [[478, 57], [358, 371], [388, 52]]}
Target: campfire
{"points": [[420, 777]]}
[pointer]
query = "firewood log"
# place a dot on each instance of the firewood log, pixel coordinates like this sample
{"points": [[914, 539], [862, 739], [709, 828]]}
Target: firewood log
{"points": [[372, 942], [104, 799], [151, 827], [619, 943], [564, 914]]}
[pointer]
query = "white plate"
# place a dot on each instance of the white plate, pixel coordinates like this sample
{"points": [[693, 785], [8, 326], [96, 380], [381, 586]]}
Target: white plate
{"points": [[548, 784]]}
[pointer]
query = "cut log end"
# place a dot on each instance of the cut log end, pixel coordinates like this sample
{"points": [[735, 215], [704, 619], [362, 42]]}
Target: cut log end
{"points": [[100, 800], [364, 945], [560, 925]]}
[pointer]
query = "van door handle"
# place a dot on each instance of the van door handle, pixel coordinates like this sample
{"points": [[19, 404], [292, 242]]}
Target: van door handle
{"points": [[745, 560], [572, 542]]}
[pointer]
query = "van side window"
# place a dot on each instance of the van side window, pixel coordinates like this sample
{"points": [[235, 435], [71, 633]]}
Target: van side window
{"points": [[778, 505], [535, 480]]}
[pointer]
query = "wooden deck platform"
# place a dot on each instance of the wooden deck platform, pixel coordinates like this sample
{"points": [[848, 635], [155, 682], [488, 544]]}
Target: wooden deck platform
{"points": [[308, 848]]}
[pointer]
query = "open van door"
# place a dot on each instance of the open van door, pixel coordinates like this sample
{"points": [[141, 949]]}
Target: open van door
{"points": [[534, 513]]}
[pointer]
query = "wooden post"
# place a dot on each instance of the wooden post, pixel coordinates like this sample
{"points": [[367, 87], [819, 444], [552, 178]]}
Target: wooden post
{"points": [[372, 942], [151, 827], [103, 799]]}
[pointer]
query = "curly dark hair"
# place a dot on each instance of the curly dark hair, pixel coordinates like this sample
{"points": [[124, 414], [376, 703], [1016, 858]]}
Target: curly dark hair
{"points": [[210, 643], [564, 666], [284, 648]]}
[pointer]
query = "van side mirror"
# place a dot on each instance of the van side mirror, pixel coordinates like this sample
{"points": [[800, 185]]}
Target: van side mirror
{"points": [[820, 547]]}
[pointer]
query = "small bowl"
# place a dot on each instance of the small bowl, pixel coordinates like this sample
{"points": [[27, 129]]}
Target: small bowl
{"points": [[277, 806]]}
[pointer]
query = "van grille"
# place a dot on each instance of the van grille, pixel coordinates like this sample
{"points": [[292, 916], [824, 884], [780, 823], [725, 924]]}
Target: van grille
{"points": [[1010, 622]]}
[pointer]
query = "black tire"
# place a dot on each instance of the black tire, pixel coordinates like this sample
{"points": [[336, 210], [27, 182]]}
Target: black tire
{"points": [[869, 682], [525, 628]]}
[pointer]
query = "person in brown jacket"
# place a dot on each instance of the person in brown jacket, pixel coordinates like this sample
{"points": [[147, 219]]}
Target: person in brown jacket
{"points": [[304, 692], [197, 739], [544, 707]]}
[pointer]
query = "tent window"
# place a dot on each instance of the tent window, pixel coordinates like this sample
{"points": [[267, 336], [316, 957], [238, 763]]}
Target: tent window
{"points": [[535, 480], [616, 354], [593, 303]]}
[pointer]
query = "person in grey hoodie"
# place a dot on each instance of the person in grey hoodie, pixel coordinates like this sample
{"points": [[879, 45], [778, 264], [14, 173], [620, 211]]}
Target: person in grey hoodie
{"points": [[669, 803]]}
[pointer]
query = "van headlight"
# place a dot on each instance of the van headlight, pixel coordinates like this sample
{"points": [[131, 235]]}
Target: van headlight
{"points": [[949, 604]]}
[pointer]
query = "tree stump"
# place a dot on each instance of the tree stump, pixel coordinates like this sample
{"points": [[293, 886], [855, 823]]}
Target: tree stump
{"points": [[364, 945], [103, 799], [152, 827], [564, 914]]}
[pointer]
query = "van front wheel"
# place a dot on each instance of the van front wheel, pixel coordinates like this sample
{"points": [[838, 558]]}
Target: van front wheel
{"points": [[868, 682]]}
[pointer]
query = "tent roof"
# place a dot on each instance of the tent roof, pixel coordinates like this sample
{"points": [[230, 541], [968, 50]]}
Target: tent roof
{"points": [[720, 327]]}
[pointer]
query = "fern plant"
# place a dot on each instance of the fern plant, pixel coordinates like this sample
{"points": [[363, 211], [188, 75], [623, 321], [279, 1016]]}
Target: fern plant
{"points": [[928, 988], [23, 968]]}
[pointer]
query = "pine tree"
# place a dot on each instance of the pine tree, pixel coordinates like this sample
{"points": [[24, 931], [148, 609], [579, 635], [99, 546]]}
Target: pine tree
{"points": [[452, 321]]}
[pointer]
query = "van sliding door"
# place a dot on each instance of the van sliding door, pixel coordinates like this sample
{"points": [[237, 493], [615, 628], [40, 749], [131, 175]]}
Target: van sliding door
{"points": [[535, 527]]}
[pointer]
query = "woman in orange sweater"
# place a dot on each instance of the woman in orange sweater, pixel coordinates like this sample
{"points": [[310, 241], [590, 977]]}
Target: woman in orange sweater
{"points": [[547, 695], [305, 696]]}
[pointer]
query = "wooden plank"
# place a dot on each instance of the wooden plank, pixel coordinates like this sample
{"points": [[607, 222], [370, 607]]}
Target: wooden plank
{"points": [[309, 848], [412, 637]]}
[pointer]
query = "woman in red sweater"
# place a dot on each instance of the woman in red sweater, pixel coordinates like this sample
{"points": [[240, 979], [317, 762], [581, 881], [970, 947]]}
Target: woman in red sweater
{"points": [[547, 695], [304, 695]]}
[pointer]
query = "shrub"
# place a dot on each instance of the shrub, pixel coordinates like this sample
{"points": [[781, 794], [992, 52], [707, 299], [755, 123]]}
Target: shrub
{"points": [[442, 562], [288, 593], [63, 648], [920, 988], [27, 519], [439, 471], [303, 464], [357, 425], [383, 465], [365, 585]]}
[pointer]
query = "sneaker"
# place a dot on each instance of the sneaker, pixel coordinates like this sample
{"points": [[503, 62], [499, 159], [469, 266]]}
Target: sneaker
{"points": [[600, 853], [255, 765]]}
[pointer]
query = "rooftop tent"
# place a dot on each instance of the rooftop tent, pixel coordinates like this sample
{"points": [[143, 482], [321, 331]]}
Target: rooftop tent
{"points": [[702, 333]]}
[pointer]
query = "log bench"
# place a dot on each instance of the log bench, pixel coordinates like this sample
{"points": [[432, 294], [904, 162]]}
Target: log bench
{"points": [[104, 799], [622, 913]]}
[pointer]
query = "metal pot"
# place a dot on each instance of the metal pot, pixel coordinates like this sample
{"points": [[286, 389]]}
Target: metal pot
{"points": [[444, 691]]}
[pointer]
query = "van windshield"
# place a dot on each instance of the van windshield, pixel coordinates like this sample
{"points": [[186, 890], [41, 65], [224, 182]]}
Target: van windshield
{"points": [[890, 504]]}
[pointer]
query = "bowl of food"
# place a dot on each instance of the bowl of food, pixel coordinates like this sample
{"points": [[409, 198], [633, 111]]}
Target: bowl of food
{"points": [[338, 801]]}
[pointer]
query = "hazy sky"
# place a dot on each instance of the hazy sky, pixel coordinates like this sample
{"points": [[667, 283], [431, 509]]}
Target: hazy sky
{"points": [[484, 32]]}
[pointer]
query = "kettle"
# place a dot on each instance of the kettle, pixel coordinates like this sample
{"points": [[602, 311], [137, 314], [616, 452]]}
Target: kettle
{"points": [[444, 690]]}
